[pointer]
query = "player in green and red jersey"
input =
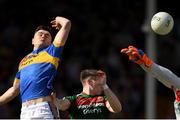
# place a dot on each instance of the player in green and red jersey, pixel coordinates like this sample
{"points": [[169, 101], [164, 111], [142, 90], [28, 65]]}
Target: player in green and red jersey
{"points": [[95, 101]]}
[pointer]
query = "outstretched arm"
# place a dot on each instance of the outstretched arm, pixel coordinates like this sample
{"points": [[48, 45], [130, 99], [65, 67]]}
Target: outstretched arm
{"points": [[162, 74], [64, 26], [11, 93]]}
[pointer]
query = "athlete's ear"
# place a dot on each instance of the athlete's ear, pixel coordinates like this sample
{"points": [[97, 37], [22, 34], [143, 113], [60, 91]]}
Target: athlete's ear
{"points": [[89, 82]]}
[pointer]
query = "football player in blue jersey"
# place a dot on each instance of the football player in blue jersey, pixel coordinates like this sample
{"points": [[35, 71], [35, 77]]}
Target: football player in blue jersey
{"points": [[37, 71]]}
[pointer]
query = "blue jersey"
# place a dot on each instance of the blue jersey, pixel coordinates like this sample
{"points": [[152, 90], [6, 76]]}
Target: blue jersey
{"points": [[37, 71]]}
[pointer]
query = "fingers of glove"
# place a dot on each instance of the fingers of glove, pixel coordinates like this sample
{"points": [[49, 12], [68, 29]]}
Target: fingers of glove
{"points": [[124, 50], [136, 55], [127, 51], [133, 49]]}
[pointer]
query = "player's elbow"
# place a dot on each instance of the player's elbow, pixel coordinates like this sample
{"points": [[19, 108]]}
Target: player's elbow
{"points": [[16, 91], [118, 109], [68, 24]]}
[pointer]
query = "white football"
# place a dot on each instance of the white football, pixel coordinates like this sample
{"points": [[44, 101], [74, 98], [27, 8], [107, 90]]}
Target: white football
{"points": [[162, 23]]}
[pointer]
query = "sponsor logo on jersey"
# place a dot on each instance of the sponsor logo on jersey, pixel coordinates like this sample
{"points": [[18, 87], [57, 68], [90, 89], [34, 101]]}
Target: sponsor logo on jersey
{"points": [[91, 105]]}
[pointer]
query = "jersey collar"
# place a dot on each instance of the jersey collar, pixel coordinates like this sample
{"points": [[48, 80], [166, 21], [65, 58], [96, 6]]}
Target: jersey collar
{"points": [[38, 50]]}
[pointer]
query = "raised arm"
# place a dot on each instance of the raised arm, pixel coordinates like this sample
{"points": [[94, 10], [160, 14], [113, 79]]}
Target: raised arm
{"points": [[113, 104], [162, 74], [64, 26], [11, 93]]}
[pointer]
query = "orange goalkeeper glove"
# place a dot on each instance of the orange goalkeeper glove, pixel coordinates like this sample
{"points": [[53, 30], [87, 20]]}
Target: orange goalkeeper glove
{"points": [[137, 56]]}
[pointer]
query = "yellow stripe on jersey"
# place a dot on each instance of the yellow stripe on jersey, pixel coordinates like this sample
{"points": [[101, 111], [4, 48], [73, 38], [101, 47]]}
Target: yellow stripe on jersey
{"points": [[42, 57], [16, 81], [56, 44]]}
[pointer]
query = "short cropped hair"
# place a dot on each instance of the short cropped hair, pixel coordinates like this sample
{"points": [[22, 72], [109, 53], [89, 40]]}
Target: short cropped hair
{"points": [[43, 27], [87, 73]]}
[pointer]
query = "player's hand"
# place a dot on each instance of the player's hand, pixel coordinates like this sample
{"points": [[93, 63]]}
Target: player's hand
{"points": [[137, 56], [102, 77], [56, 24], [59, 22], [54, 99]]}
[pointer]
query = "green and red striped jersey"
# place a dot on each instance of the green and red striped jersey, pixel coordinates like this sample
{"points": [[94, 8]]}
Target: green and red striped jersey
{"points": [[85, 106]]}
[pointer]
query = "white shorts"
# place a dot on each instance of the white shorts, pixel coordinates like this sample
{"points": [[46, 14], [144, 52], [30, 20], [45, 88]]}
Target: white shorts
{"points": [[37, 111]]}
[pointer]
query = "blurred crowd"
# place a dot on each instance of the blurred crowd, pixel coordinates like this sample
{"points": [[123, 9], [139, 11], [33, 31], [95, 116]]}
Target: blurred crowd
{"points": [[99, 31]]}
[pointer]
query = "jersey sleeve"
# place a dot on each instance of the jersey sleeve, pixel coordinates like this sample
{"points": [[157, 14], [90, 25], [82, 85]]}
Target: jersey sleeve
{"points": [[18, 75], [71, 98], [164, 75], [105, 98], [55, 50], [17, 78]]}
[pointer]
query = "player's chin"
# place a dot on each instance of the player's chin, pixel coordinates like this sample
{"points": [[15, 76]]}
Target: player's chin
{"points": [[45, 44]]}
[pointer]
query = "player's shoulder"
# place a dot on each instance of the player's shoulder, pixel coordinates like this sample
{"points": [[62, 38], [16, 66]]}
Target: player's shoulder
{"points": [[72, 98]]}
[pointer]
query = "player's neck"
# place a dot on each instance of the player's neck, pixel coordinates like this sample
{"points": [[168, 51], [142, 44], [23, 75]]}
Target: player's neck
{"points": [[88, 91], [38, 47]]}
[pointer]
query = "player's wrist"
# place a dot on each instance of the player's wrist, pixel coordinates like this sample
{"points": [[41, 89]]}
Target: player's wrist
{"points": [[147, 61], [105, 86], [63, 21]]}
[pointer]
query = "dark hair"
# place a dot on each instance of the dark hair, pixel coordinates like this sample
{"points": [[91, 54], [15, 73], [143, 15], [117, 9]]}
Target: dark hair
{"points": [[43, 27], [87, 73]]}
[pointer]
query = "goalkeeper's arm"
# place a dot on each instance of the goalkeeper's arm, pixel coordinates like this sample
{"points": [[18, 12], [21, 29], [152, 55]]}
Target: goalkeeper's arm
{"points": [[164, 75]]}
